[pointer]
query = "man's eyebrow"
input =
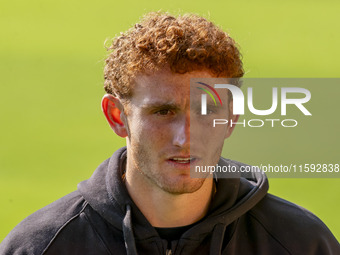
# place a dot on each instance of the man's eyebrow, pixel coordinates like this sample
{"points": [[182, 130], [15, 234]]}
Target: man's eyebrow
{"points": [[159, 105], [199, 104]]}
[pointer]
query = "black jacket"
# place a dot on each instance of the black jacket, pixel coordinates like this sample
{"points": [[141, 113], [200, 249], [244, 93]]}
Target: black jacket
{"points": [[101, 218]]}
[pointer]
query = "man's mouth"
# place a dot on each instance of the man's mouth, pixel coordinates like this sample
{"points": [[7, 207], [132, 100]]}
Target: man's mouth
{"points": [[182, 160], [187, 160]]}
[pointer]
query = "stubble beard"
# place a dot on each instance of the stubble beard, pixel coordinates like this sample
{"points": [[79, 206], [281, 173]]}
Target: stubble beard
{"points": [[141, 159]]}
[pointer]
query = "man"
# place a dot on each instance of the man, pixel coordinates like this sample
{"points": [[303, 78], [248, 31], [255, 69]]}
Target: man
{"points": [[142, 200]]}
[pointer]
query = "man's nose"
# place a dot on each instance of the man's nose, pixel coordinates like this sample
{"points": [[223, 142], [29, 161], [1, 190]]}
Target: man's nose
{"points": [[181, 132]]}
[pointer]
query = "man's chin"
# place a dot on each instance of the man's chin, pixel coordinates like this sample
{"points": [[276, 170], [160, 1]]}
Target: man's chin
{"points": [[178, 187]]}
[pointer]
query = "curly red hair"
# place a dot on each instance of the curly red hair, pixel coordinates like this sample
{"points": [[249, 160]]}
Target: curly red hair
{"points": [[183, 44]]}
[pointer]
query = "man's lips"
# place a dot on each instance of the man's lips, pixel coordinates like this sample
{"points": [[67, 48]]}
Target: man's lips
{"points": [[182, 159]]}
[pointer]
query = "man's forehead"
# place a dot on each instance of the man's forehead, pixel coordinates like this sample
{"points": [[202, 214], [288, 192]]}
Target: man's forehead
{"points": [[167, 87], [161, 80]]}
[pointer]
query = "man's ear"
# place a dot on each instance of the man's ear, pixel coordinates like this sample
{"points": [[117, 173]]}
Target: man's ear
{"points": [[112, 109], [232, 119]]}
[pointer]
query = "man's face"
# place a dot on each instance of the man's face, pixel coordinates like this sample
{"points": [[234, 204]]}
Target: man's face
{"points": [[167, 133]]}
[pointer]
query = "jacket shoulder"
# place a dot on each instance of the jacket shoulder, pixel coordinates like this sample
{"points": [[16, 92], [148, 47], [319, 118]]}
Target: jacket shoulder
{"points": [[294, 227], [35, 233]]}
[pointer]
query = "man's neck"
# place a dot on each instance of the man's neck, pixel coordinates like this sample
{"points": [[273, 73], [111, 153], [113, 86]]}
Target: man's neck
{"points": [[163, 209]]}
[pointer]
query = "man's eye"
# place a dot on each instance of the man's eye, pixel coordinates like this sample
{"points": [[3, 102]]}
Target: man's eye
{"points": [[211, 111], [163, 112]]}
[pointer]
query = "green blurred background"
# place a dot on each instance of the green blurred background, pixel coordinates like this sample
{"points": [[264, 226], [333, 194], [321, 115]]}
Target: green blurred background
{"points": [[53, 134]]}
